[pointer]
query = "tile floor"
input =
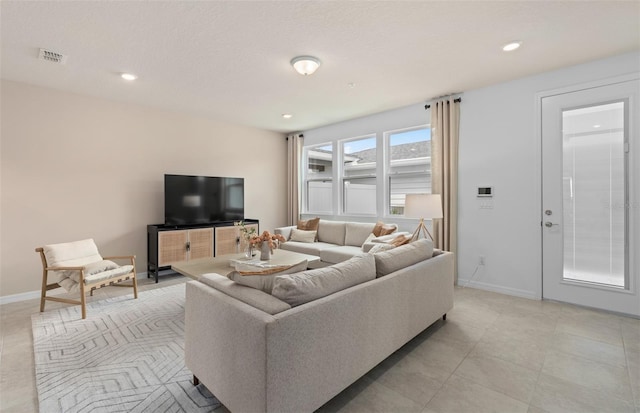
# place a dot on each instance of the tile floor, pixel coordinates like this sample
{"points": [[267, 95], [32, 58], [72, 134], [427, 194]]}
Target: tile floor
{"points": [[495, 353]]}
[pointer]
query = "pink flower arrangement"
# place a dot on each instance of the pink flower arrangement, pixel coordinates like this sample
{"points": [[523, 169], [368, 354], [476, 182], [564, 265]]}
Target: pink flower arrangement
{"points": [[266, 236]]}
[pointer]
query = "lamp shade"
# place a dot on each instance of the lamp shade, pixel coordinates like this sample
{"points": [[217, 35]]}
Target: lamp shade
{"points": [[428, 206]]}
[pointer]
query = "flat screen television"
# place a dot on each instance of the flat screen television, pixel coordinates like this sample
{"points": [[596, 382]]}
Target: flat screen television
{"points": [[192, 200]]}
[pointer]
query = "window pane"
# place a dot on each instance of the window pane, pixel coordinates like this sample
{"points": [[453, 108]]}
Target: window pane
{"points": [[318, 179], [594, 194], [319, 196], [409, 166], [320, 162], [360, 196], [359, 173], [359, 157], [401, 185]]}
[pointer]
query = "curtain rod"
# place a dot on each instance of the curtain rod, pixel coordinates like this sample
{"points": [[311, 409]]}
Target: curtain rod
{"points": [[299, 134], [455, 100]]}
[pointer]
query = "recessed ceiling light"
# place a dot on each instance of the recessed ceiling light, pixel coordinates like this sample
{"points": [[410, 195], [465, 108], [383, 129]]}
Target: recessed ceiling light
{"points": [[596, 126], [305, 65], [287, 115], [128, 76], [511, 46]]}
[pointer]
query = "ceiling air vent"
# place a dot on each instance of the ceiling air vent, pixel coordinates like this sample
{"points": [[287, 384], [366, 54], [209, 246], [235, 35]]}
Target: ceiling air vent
{"points": [[50, 56]]}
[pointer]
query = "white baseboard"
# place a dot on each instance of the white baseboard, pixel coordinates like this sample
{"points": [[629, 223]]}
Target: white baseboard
{"points": [[498, 289], [30, 295]]}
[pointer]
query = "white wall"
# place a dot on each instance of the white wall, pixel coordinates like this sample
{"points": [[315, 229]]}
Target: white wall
{"points": [[499, 148], [75, 167]]}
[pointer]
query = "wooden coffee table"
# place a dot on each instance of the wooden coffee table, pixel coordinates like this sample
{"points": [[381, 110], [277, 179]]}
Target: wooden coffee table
{"points": [[222, 264]]}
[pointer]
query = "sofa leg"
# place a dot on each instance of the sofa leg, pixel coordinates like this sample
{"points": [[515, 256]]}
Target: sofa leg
{"points": [[444, 317], [196, 381]]}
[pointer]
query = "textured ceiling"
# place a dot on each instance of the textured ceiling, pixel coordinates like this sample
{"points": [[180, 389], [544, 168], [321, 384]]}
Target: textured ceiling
{"points": [[229, 60]]}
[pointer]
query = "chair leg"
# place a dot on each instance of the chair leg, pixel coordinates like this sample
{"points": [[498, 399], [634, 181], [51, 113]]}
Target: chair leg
{"points": [[135, 286], [83, 302], [135, 278], [43, 294]]}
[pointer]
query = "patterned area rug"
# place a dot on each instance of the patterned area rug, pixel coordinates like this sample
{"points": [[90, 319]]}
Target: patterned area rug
{"points": [[126, 356]]}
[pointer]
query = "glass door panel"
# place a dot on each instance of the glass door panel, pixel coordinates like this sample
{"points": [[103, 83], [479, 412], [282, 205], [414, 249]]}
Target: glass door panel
{"points": [[594, 194]]}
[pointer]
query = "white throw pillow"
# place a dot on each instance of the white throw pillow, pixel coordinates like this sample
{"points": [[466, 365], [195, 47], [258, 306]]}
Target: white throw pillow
{"points": [[302, 235]]}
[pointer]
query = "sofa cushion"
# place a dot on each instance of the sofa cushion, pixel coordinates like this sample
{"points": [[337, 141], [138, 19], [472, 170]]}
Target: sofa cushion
{"points": [[331, 232], [339, 254], [300, 288], [301, 235], [264, 281], [403, 256], [251, 296], [356, 233], [305, 247]]}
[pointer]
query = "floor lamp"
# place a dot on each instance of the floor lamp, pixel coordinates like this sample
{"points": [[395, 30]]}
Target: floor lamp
{"points": [[422, 206]]}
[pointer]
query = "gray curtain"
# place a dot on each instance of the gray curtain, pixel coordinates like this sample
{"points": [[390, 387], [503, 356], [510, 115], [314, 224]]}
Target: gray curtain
{"points": [[294, 162], [445, 121]]}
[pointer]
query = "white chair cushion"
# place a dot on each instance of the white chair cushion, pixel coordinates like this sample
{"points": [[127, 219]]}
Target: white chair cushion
{"points": [[72, 283], [72, 254]]}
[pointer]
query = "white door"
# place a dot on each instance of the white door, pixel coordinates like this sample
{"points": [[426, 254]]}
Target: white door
{"points": [[590, 179]]}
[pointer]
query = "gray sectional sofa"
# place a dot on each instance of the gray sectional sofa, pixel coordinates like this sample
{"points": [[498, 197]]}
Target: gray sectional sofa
{"points": [[317, 333], [337, 241]]}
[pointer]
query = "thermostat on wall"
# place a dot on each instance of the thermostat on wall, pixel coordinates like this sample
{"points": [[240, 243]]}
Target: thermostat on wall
{"points": [[485, 191]]}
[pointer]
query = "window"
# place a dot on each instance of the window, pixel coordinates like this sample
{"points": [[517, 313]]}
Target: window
{"points": [[409, 170], [371, 171], [359, 176], [319, 179]]}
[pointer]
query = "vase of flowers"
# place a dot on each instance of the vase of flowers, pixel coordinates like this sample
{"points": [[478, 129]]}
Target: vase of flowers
{"points": [[267, 242], [246, 233]]}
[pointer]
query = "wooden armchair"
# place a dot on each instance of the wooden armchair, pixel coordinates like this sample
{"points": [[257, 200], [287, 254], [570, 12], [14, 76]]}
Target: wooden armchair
{"points": [[79, 267]]}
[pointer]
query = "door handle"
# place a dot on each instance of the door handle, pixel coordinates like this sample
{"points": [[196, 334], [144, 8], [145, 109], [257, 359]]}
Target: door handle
{"points": [[549, 224]]}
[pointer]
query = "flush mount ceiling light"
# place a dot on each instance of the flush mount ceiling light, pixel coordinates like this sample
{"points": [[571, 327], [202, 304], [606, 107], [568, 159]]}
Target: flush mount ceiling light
{"points": [[287, 115], [128, 76], [509, 47], [305, 65]]}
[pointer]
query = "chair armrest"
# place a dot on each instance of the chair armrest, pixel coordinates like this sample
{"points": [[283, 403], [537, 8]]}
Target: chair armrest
{"points": [[64, 268], [119, 257], [131, 258]]}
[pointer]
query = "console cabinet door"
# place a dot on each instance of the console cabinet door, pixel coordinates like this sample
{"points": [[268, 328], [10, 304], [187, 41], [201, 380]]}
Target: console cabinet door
{"points": [[172, 247], [200, 243], [226, 238]]}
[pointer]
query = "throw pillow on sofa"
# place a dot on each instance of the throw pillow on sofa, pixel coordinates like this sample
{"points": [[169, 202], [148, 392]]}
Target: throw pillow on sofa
{"points": [[309, 224], [381, 229], [300, 288], [302, 235], [264, 281], [403, 256]]}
